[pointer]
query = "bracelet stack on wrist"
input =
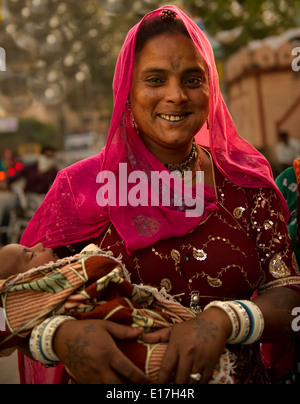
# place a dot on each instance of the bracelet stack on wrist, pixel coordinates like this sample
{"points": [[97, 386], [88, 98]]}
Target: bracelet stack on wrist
{"points": [[41, 339], [246, 319]]}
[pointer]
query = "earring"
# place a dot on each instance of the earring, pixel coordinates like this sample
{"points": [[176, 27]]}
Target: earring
{"points": [[132, 121]]}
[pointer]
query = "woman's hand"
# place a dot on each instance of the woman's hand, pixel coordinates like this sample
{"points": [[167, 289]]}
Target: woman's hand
{"points": [[194, 346], [89, 352]]}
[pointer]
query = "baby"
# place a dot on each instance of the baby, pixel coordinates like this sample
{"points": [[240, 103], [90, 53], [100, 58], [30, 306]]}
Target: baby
{"points": [[35, 285], [16, 259]]}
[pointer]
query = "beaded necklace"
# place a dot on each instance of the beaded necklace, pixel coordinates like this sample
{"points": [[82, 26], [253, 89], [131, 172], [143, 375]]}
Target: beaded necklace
{"points": [[184, 166]]}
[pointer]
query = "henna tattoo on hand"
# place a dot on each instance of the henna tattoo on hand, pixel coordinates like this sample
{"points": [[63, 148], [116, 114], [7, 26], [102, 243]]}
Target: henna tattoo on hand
{"points": [[206, 330], [89, 329], [76, 355]]}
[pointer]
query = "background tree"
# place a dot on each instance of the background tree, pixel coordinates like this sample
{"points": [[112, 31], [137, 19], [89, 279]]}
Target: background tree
{"points": [[65, 50], [251, 19]]}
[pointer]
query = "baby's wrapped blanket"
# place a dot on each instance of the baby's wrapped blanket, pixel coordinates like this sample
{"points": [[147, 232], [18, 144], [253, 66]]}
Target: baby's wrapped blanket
{"points": [[92, 285]]}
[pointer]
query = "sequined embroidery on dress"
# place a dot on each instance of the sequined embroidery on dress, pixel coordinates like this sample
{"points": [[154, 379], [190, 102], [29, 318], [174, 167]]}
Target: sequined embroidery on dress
{"points": [[278, 268]]}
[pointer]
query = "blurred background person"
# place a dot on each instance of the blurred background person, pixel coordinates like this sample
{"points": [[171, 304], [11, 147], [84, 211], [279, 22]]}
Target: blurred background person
{"points": [[8, 159], [38, 178], [8, 162], [288, 150]]}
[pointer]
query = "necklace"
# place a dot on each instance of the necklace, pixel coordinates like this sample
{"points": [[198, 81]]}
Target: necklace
{"points": [[186, 177], [184, 166]]}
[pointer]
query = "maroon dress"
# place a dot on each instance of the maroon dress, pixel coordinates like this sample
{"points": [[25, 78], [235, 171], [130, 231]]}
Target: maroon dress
{"points": [[242, 248]]}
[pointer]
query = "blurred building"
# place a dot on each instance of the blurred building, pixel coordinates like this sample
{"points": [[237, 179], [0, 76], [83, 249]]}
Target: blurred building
{"points": [[263, 91]]}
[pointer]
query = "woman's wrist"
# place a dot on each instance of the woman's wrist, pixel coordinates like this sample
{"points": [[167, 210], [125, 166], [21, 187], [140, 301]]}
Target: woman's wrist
{"points": [[62, 334], [247, 321], [43, 337], [220, 319]]}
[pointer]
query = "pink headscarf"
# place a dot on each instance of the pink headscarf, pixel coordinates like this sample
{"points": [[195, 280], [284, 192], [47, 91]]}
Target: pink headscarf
{"points": [[70, 212]]}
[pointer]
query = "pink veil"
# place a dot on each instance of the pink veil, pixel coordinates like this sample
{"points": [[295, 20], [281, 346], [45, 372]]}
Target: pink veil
{"points": [[70, 212]]}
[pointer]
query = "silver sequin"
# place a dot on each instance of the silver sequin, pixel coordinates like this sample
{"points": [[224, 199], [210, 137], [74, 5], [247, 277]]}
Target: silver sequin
{"points": [[199, 255]]}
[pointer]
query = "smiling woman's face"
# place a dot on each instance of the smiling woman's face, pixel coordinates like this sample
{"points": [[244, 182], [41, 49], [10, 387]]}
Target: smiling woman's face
{"points": [[170, 92]]}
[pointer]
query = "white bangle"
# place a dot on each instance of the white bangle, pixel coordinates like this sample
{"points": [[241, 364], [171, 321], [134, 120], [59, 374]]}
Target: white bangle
{"points": [[258, 322], [245, 322], [246, 319], [34, 343], [42, 337], [231, 314], [48, 334]]}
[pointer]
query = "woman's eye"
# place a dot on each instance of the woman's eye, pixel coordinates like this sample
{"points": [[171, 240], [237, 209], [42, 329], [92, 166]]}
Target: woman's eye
{"points": [[194, 81], [154, 81]]}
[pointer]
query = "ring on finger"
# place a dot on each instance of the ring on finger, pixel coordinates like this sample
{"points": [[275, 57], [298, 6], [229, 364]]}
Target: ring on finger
{"points": [[196, 376]]}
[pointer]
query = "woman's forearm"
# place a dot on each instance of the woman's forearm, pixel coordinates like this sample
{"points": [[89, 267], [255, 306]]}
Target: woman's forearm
{"points": [[277, 306]]}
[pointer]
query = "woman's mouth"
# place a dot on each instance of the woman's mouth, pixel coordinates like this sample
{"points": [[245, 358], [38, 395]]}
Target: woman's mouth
{"points": [[174, 118]]}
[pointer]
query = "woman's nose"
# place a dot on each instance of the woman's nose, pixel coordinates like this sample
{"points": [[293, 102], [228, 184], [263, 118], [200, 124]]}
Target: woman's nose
{"points": [[175, 93]]}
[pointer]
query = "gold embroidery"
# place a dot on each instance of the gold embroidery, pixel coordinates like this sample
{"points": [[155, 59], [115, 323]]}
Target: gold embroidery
{"points": [[212, 239], [137, 266], [292, 280], [166, 284], [199, 255], [278, 268], [223, 220], [117, 244], [217, 282], [238, 212], [214, 282], [242, 270], [175, 255], [110, 247], [108, 232], [268, 224]]}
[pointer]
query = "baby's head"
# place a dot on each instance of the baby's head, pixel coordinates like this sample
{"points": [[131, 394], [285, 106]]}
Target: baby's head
{"points": [[16, 259]]}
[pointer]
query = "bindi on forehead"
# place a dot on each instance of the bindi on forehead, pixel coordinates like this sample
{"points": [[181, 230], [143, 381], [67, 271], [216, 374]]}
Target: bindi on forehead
{"points": [[176, 66]]}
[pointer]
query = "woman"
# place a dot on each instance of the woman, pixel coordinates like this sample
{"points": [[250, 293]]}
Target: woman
{"points": [[166, 94]]}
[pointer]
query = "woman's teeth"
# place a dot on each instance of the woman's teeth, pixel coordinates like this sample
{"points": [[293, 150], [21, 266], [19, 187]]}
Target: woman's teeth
{"points": [[173, 118]]}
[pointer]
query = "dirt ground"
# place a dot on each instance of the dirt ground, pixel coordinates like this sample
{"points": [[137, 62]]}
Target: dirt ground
{"points": [[9, 370]]}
